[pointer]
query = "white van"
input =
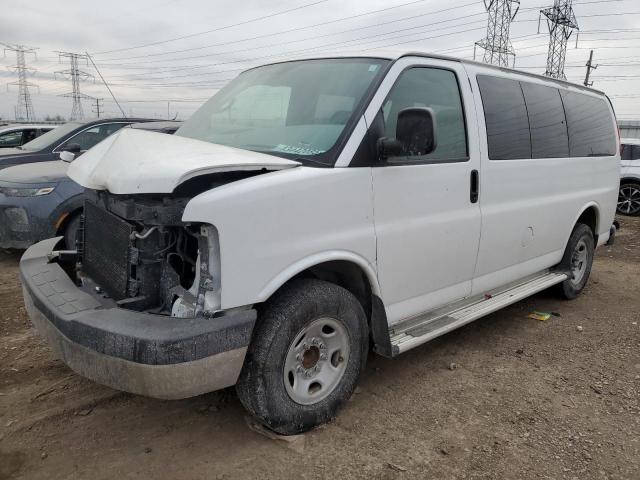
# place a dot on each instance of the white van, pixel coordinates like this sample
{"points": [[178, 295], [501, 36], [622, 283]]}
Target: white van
{"points": [[629, 195], [313, 208]]}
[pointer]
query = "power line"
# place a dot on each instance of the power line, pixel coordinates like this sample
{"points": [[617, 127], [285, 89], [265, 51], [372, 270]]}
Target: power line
{"points": [[161, 42], [24, 108]]}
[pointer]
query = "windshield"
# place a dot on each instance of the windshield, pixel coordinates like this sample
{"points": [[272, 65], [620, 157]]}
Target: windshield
{"points": [[52, 136], [294, 109]]}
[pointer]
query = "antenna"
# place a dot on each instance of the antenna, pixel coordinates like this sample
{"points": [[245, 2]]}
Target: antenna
{"points": [[75, 75], [496, 45], [561, 22], [24, 108]]}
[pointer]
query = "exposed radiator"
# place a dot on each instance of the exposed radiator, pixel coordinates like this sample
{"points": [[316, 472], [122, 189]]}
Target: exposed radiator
{"points": [[106, 250]]}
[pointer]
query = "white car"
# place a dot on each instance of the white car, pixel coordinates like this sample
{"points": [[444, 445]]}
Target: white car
{"points": [[13, 136], [629, 196], [313, 208]]}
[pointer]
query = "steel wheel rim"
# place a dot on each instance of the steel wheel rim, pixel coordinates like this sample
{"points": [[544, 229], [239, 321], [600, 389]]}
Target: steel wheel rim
{"points": [[316, 361], [629, 199], [579, 262]]}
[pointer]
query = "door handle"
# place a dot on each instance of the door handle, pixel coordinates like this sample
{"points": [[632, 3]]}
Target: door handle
{"points": [[474, 192]]}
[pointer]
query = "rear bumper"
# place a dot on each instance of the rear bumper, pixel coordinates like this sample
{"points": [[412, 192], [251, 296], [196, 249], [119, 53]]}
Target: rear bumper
{"points": [[152, 355]]}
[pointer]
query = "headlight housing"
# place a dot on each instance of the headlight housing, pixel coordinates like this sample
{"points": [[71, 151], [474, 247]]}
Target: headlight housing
{"points": [[26, 192]]}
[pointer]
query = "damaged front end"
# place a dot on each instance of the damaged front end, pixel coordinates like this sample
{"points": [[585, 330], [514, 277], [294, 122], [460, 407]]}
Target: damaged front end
{"points": [[137, 252]]}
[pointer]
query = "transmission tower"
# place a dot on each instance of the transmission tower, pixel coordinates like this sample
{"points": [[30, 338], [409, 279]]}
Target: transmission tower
{"points": [[24, 108], [497, 46], [76, 75], [561, 22]]}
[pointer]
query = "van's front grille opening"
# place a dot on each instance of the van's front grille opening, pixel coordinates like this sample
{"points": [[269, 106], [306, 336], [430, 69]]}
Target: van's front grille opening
{"points": [[137, 252]]}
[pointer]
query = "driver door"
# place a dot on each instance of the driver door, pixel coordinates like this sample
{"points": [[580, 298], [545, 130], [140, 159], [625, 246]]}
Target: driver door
{"points": [[427, 216]]}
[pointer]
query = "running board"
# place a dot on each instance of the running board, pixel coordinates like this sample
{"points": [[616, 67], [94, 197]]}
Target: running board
{"points": [[418, 330]]}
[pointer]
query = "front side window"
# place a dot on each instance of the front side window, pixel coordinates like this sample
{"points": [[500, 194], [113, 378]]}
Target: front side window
{"points": [[505, 115], [437, 89], [11, 139], [295, 109]]}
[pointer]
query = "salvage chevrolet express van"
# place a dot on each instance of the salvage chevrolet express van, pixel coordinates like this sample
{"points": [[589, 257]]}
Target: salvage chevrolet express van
{"points": [[313, 208]]}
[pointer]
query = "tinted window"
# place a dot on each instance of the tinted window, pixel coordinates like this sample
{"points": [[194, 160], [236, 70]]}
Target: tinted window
{"points": [[505, 116], [11, 139], [94, 135], [630, 152], [591, 128], [437, 89], [546, 121]]}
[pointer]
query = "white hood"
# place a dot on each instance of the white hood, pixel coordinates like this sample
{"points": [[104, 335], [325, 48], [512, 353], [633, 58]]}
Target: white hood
{"points": [[138, 161]]}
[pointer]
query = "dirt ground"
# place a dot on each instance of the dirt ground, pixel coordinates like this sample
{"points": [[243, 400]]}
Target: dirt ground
{"points": [[504, 398]]}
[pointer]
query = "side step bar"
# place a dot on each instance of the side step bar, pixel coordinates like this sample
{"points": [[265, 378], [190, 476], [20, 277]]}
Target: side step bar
{"points": [[418, 330]]}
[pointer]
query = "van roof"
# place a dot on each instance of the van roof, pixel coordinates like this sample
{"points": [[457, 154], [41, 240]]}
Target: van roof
{"points": [[392, 54]]}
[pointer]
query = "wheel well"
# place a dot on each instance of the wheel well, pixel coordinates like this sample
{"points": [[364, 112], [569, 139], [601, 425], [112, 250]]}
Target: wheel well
{"points": [[590, 218], [65, 221], [635, 181], [346, 274]]}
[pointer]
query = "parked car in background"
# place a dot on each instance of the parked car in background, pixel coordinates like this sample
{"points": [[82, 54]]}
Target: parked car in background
{"points": [[75, 137], [38, 200], [629, 195], [312, 208], [13, 136]]}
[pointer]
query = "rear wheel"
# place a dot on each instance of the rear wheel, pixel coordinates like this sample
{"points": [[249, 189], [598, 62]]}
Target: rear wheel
{"points": [[577, 261], [629, 199], [308, 350]]}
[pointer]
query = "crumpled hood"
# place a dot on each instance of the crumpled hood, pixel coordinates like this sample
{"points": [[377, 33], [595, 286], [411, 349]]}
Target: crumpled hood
{"points": [[136, 161], [41, 172]]}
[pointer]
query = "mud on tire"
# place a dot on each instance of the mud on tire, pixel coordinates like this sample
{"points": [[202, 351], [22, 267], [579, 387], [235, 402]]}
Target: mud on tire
{"points": [[296, 307]]}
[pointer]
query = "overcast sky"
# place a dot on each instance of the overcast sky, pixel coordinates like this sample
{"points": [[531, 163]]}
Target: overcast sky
{"points": [[181, 51]]}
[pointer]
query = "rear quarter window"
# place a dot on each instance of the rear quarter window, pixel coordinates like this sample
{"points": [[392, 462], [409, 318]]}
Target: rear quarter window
{"points": [[591, 127]]}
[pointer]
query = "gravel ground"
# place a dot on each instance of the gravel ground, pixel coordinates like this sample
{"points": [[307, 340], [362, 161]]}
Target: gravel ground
{"points": [[506, 397]]}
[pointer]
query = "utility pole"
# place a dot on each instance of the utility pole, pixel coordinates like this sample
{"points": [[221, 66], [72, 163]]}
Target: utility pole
{"points": [[97, 107], [75, 75], [590, 67], [24, 108], [497, 45], [561, 22]]}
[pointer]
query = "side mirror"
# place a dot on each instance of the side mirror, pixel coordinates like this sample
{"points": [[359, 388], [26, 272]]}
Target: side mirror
{"points": [[415, 134], [73, 148], [67, 156]]}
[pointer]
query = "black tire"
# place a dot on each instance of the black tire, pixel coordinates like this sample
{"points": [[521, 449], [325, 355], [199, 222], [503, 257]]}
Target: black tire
{"points": [[261, 386], [71, 231], [581, 240], [629, 199]]}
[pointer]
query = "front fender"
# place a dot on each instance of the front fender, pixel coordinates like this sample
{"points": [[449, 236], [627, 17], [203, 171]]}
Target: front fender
{"points": [[274, 225]]}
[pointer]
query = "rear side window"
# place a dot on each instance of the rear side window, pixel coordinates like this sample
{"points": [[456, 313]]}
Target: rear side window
{"points": [[505, 116], [546, 121], [591, 128]]}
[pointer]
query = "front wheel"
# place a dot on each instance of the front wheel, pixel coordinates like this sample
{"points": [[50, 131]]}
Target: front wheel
{"points": [[308, 349], [577, 261], [629, 199]]}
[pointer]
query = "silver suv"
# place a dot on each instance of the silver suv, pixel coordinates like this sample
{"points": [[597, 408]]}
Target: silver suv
{"points": [[629, 196]]}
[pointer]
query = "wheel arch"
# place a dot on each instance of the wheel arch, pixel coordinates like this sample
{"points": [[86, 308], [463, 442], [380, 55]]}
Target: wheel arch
{"points": [[350, 271], [590, 216]]}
